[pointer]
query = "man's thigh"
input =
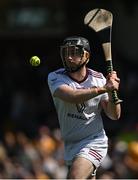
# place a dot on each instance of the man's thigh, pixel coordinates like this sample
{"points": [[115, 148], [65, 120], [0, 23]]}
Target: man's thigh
{"points": [[81, 168]]}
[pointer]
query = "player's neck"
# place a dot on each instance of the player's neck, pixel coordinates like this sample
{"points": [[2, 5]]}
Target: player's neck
{"points": [[80, 75]]}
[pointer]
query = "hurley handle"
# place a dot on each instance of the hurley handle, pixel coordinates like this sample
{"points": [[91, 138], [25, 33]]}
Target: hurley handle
{"points": [[109, 69]]}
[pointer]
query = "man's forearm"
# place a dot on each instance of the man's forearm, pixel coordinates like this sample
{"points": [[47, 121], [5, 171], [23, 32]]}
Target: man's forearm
{"points": [[79, 95], [113, 110]]}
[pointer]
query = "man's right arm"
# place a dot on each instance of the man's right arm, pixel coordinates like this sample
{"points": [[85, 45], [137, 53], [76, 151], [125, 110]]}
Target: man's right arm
{"points": [[77, 96]]}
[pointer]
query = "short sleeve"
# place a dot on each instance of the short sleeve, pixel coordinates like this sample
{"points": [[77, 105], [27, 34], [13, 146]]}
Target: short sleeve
{"points": [[54, 81]]}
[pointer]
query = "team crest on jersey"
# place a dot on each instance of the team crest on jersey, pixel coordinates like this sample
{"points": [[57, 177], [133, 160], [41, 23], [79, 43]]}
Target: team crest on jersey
{"points": [[80, 107]]}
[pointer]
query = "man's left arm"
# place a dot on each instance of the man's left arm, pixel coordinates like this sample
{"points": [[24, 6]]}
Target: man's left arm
{"points": [[112, 110]]}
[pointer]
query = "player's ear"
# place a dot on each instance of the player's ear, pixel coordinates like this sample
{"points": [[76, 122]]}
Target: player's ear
{"points": [[87, 55]]}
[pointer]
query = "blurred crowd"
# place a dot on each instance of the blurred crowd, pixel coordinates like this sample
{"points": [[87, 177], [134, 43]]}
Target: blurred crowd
{"points": [[41, 157], [22, 157]]}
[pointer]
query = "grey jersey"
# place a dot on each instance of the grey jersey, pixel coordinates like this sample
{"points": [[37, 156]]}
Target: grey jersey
{"points": [[78, 121]]}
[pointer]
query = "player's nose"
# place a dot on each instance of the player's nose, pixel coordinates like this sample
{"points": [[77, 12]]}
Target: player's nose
{"points": [[70, 58]]}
